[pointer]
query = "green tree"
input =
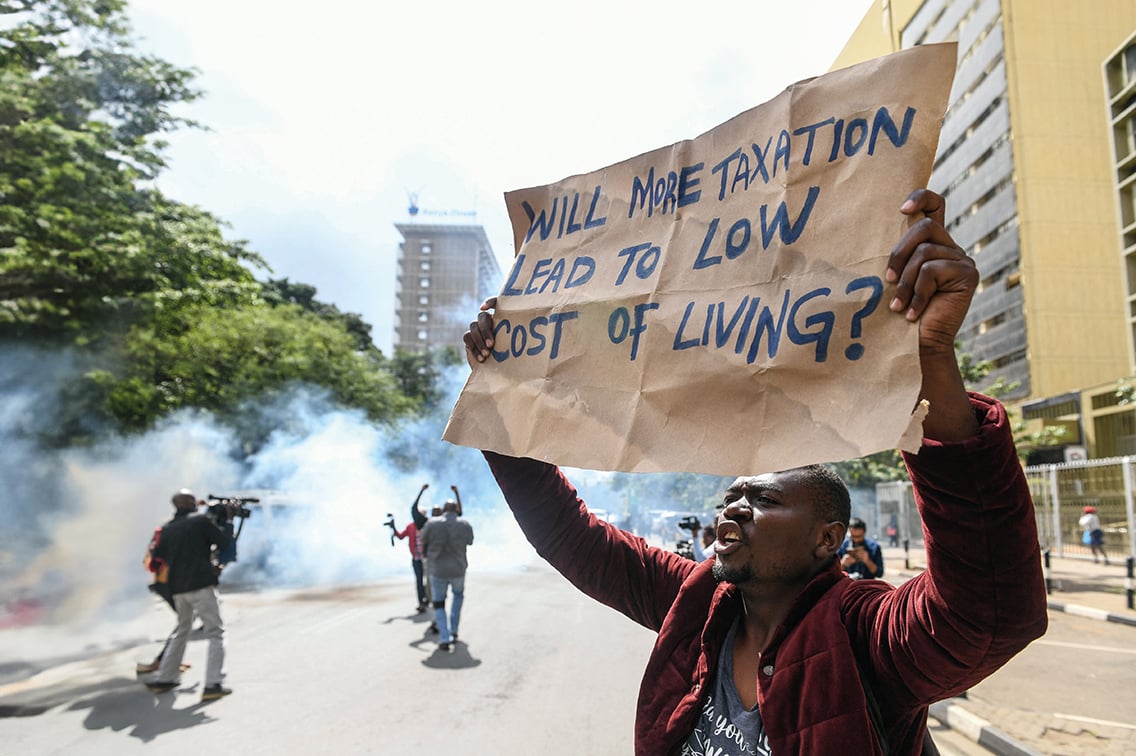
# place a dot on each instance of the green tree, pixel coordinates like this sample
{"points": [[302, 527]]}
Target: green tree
{"points": [[283, 291], [419, 374], [163, 311], [225, 356], [86, 247]]}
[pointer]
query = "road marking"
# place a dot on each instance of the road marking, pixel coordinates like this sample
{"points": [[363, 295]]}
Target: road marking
{"points": [[1090, 720], [331, 622], [1085, 646]]}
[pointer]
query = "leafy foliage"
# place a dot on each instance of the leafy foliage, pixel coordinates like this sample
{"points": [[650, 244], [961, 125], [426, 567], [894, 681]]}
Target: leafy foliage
{"points": [[165, 311], [228, 355], [283, 291]]}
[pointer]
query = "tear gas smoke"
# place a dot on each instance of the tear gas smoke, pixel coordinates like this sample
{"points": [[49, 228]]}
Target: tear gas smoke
{"points": [[76, 521]]}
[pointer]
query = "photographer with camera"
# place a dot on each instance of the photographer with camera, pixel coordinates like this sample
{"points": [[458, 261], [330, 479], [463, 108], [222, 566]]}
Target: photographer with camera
{"points": [[224, 510], [186, 549], [860, 556], [701, 538]]}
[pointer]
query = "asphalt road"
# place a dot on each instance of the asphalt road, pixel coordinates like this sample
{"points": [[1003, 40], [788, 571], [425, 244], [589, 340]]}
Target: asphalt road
{"points": [[538, 669], [1070, 692]]}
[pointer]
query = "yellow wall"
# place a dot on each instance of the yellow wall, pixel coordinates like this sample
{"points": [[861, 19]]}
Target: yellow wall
{"points": [[1071, 264], [874, 37], [1071, 269]]}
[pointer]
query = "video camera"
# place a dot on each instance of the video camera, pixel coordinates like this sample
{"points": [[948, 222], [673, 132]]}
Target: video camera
{"points": [[691, 523], [228, 507]]}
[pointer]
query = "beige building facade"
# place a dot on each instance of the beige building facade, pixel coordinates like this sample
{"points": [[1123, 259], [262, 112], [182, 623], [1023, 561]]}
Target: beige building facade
{"points": [[1036, 160], [446, 269]]}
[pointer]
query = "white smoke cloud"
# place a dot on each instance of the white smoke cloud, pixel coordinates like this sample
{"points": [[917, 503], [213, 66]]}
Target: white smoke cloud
{"points": [[84, 516]]}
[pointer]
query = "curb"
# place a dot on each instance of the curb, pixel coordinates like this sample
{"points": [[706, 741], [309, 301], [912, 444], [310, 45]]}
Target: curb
{"points": [[951, 714], [1091, 613]]}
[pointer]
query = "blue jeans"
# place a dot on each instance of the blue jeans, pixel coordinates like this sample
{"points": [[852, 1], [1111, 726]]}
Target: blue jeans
{"points": [[438, 586]]}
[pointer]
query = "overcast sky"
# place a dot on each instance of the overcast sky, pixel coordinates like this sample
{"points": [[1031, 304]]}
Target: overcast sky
{"points": [[325, 116]]}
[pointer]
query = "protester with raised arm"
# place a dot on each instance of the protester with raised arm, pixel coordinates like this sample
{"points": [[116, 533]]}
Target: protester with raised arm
{"points": [[768, 646]]}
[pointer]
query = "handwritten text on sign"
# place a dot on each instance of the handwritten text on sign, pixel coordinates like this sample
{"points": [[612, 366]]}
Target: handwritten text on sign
{"points": [[723, 288]]}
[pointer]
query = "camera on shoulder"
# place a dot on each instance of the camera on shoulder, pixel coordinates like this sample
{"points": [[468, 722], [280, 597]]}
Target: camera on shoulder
{"points": [[226, 508]]}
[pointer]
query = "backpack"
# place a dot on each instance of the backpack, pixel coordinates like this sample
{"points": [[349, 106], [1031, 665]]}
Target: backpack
{"points": [[160, 570]]}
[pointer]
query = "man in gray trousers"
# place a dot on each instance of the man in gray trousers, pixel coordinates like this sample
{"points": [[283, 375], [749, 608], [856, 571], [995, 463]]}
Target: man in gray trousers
{"points": [[186, 547]]}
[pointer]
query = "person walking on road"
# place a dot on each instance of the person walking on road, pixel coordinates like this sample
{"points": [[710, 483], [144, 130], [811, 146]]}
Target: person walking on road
{"points": [[186, 547], [444, 541], [411, 532], [1092, 535], [769, 647]]}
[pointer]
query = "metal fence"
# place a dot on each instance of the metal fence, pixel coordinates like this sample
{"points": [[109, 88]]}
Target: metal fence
{"points": [[1060, 494], [896, 504]]}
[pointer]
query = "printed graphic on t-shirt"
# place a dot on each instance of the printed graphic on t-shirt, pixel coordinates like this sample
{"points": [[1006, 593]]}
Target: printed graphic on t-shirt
{"points": [[716, 734], [726, 727]]}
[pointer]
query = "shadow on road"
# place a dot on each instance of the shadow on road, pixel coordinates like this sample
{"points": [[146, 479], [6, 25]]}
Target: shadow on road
{"points": [[417, 618], [139, 712], [458, 658]]}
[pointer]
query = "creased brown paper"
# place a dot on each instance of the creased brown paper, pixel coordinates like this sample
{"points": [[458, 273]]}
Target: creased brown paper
{"points": [[718, 305]]}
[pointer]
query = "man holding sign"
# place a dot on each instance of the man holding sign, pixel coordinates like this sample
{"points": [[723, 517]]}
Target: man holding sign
{"points": [[768, 647]]}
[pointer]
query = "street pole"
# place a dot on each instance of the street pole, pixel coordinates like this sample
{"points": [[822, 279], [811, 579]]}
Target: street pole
{"points": [[1129, 562], [1045, 562]]}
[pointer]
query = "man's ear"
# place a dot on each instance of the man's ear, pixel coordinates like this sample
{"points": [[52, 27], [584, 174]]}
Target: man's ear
{"points": [[831, 539]]}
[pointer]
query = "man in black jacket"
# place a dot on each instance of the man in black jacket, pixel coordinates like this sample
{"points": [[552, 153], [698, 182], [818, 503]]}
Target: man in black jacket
{"points": [[185, 546]]}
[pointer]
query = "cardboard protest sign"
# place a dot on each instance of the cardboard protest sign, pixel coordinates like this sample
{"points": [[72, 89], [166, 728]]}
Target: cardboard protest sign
{"points": [[718, 305]]}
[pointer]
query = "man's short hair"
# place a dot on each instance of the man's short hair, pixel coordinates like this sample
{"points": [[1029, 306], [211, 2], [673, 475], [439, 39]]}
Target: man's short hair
{"points": [[833, 504], [450, 506], [857, 523]]}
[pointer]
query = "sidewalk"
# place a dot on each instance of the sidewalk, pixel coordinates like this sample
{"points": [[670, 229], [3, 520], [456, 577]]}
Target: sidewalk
{"points": [[1076, 586]]}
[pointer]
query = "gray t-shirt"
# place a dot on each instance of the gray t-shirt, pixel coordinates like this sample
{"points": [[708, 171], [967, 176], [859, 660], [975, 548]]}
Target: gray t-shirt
{"points": [[444, 540], [726, 727]]}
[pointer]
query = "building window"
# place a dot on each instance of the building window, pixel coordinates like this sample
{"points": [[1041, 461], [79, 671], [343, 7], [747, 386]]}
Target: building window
{"points": [[421, 334], [423, 299], [422, 317], [425, 265], [426, 247], [424, 282]]}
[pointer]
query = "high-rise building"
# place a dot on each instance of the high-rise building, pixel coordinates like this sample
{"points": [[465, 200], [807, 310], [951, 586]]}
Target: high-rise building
{"points": [[1024, 162], [446, 269]]}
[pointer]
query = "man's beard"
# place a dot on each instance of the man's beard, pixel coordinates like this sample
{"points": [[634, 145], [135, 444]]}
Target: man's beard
{"points": [[737, 576]]}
